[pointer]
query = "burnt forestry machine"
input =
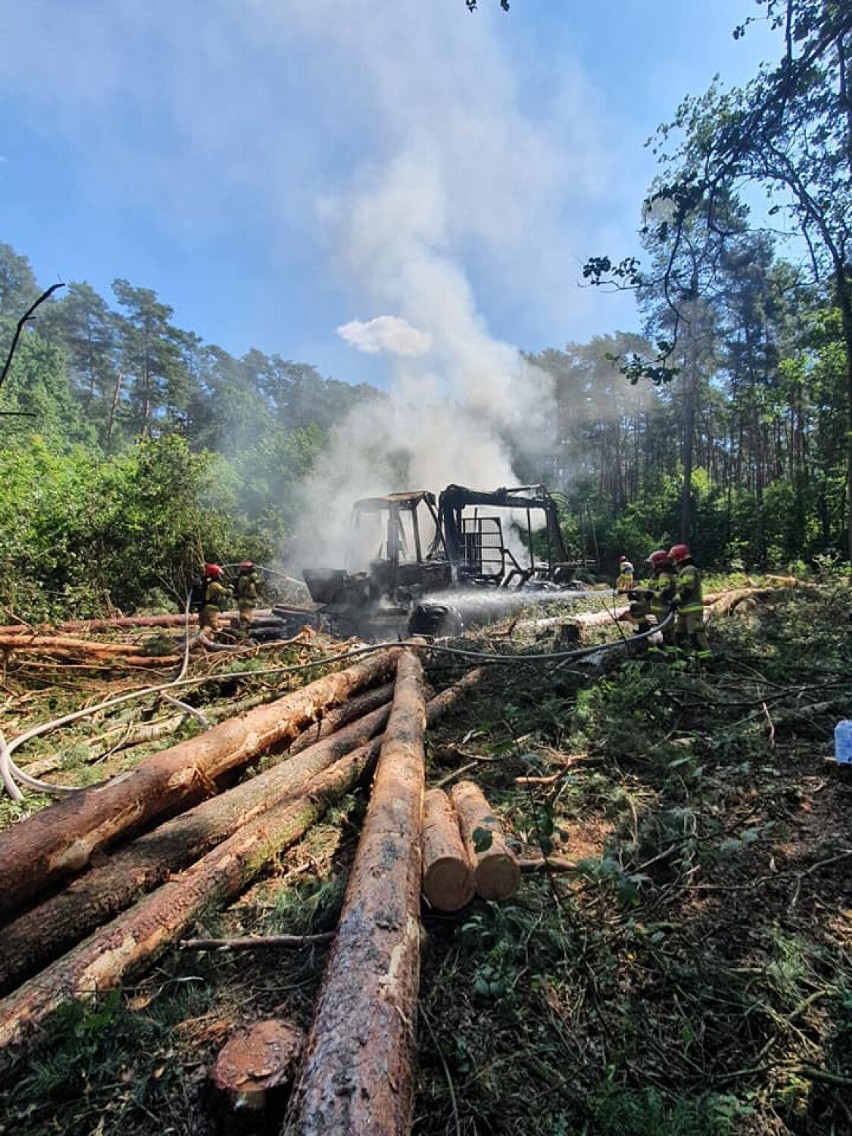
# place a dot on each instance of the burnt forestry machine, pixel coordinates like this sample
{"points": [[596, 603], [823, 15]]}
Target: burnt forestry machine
{"points": [[424, 567]]}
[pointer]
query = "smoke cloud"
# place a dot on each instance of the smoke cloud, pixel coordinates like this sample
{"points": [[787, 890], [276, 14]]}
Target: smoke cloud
{"points": [[465, 176]]}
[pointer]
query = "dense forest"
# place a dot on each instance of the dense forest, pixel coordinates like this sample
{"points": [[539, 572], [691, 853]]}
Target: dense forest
{"points": [[132, 449]]}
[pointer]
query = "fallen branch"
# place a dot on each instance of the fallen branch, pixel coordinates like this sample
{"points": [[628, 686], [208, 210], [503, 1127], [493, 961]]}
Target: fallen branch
{"points": [[252, 942]]}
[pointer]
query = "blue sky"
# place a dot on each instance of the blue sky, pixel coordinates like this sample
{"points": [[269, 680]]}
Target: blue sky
{"points": [[349, 183]]}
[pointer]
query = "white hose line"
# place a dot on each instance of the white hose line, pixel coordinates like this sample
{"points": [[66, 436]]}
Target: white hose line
{"points": [[6, 772], [193, 711]]}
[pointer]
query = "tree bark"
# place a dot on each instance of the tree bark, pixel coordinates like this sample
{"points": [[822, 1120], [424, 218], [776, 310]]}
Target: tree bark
{"points": [[358, 1074], [496, 870], [117, 623], [350, 711], [118, 950], [448, 882], [40, 934], [60, 839]]}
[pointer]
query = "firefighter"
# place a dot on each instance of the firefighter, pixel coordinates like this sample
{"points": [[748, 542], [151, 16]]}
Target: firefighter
{"points": [[687, 599], [624, 581], [215, 595], [625, 586], [246, 588], [661, 592]]}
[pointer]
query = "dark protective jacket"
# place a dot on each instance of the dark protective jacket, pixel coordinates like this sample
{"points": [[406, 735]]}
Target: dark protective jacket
{"points": [[688, 589], [247, 586], [215, 594]]}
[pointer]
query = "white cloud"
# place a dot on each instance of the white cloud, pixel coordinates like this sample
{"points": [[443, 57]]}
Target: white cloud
{"points": [[385, 333]]}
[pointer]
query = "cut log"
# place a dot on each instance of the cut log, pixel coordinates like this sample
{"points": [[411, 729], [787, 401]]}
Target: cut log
{"points": [[40, 934], [118, 623], [141, 935], [60, 839], [62, 645], [448, 882], [124, 943], [496, 870], [340, 716], [444, 702], [358, 1074]]}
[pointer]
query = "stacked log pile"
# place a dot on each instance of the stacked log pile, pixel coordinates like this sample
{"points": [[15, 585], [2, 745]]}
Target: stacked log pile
{"points": [[148, 889]]}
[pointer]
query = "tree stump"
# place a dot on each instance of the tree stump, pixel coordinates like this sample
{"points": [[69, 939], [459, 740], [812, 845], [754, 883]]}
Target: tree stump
{"points": [[252, 1063]]}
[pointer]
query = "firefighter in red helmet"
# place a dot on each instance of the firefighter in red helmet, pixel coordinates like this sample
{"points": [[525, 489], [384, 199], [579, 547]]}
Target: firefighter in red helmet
{"points": [[247, 586], [215, 595], [688, 600], [654, 598], [662, 590]]}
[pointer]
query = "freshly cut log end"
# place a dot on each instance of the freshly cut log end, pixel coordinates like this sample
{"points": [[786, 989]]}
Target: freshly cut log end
{"points": [[252, 1063], [448, 879], [497, 873], [497, 876], [448, 884]]}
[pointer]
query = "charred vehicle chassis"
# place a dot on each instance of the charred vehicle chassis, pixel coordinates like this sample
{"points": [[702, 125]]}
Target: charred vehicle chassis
{"points": [[422, 547]]}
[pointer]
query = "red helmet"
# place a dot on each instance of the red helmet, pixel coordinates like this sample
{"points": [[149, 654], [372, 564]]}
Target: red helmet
{"points": [[659, 558], [246, 566], [679, 552], [212, 570]]}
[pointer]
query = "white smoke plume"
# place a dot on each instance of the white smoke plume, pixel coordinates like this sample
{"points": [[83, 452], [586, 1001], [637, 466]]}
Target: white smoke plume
{"points": [[459, 399]]}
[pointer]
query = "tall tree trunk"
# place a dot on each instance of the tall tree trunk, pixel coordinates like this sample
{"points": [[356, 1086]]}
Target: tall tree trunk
{"points": [[688, 441], [843, 288], [113, 410]]}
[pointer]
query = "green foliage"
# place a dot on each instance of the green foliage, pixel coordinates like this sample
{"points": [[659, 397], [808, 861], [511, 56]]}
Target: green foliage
{"points": [[622, 1111], [77, 527]]}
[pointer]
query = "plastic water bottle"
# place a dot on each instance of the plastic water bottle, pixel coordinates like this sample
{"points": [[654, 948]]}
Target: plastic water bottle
{"points": [[843, 742]]}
